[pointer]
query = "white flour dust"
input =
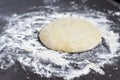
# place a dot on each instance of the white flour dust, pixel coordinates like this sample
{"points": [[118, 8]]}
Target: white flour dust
{"points": [[20, 42]]}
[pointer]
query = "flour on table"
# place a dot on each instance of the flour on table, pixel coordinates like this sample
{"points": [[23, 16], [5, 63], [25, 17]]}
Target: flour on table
{"points": [[20, 42], [116, 14]]}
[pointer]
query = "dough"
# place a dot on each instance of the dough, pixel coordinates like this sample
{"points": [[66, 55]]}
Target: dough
{"points": [[70, 35]]}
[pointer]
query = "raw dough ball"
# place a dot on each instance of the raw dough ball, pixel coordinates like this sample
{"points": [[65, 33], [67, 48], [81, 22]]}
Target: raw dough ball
{"points": [[70, 35]]}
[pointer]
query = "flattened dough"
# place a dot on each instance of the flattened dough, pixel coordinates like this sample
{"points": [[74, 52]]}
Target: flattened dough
{"points": [[70, 35]]}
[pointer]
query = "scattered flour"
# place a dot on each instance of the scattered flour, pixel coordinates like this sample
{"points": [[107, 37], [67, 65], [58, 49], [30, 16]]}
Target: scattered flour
{"points": [[116, 14], [20, 42]]}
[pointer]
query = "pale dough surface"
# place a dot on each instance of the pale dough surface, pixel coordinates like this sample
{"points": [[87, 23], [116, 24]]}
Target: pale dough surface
{"points": [[70, 35]]}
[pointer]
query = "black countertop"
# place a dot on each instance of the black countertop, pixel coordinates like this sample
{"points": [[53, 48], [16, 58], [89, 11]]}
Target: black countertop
{"points": [[16, 72]]}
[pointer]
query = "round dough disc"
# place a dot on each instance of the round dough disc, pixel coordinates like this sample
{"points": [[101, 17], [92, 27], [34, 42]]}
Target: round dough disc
{"points": [[70, 35]]}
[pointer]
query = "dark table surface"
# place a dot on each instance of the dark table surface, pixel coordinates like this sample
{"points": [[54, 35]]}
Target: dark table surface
{"points": [[16, 72]]}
